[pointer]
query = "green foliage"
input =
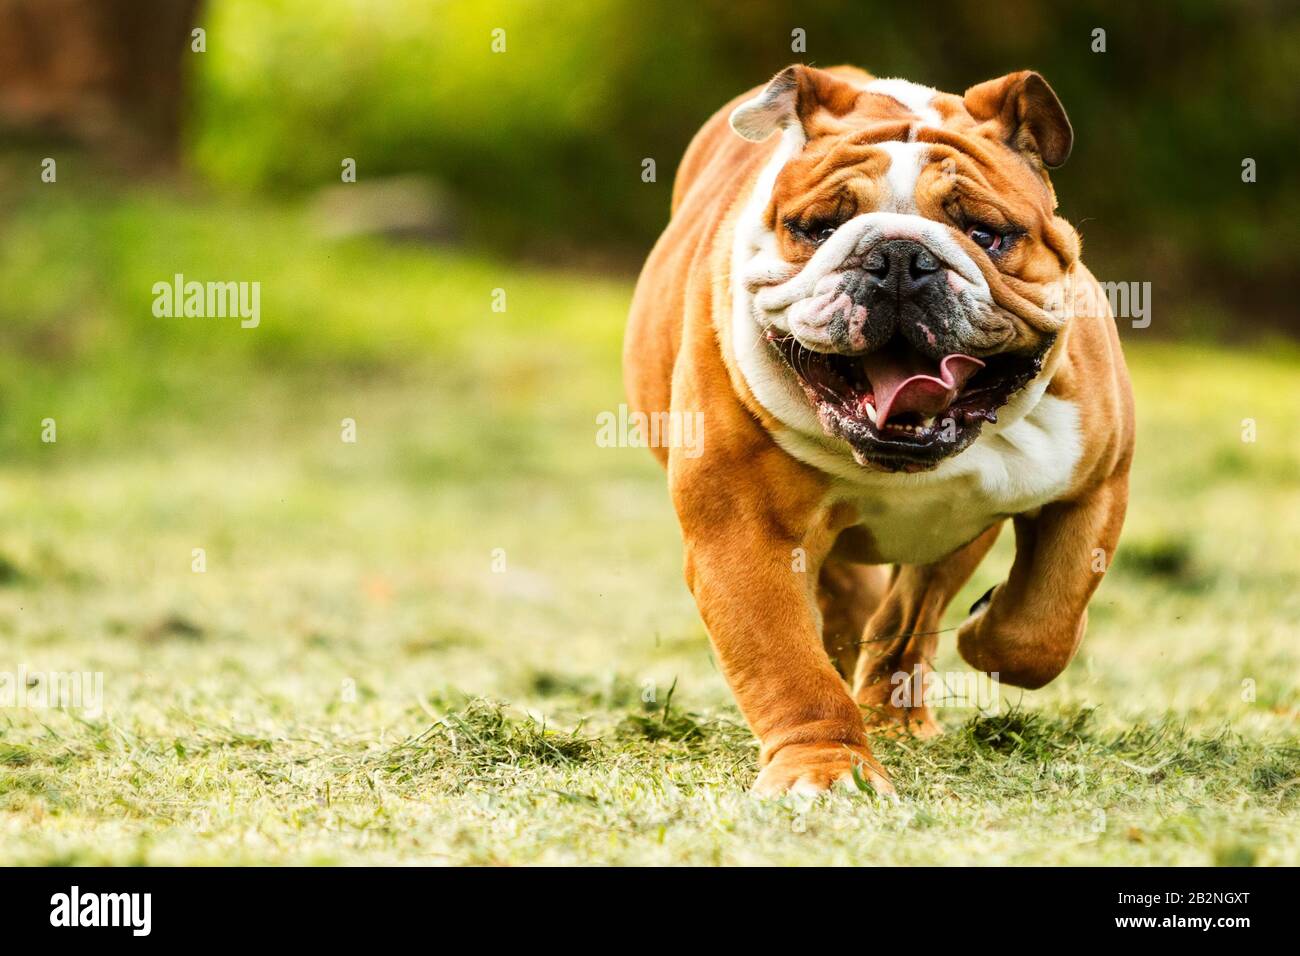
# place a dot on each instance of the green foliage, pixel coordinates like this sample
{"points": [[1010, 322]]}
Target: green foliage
{"points": [[543, 144], [78, 334], [481, 739]]}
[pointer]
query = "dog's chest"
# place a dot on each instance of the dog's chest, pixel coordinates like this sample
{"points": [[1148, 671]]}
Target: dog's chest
{"points": [[917, 519]]}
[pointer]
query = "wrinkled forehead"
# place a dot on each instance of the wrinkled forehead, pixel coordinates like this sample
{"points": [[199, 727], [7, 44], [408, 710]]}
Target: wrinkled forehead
{"points": [[899, 141]]}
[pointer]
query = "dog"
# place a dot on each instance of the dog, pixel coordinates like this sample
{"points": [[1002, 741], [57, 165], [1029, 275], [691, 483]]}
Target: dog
{"points": [[865, 290]]}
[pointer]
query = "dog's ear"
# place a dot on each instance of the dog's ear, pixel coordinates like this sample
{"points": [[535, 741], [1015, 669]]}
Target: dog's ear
{"points": [[1021, 110], [797, 96]]}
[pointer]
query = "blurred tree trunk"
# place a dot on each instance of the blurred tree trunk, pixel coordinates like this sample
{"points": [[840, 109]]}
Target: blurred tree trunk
{"points": [[105, 73]]}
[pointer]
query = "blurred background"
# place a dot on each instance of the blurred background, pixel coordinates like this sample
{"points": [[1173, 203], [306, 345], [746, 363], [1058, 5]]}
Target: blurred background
{"points": [[503, 143], [514, 134], [462, 305], [535, 150]]}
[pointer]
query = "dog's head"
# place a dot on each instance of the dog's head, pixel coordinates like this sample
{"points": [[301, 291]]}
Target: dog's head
{"points": [[905, 262]]}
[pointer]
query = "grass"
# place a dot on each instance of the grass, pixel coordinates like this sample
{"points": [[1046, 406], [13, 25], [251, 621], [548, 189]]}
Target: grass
{"points": [[465, 637]]}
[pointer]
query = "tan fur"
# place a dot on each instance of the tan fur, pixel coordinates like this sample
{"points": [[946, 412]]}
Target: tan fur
{"points": [[759, 526]]}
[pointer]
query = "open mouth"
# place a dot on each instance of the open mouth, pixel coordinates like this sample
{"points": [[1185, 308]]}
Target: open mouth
{"points": [[900, 409]]}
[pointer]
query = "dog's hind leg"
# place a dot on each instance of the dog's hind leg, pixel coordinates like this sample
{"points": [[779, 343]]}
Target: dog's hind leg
{"points": [[899, 641], [848, 594]]}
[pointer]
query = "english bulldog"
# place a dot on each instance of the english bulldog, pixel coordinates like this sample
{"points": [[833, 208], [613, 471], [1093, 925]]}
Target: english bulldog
{"points": [[866, 290]]}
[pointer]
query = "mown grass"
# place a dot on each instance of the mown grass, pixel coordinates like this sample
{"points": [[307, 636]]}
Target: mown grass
{"points": [[357, 677]]}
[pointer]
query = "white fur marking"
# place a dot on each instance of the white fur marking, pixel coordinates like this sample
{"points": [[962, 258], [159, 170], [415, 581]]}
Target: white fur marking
{"points": [[757, 119], [912, 95], [916, 519], [767, 376], [906, 160]]}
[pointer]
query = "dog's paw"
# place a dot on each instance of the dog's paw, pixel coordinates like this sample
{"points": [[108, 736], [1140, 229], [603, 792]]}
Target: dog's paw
{"points": [[1017, 651], [810, 769]]}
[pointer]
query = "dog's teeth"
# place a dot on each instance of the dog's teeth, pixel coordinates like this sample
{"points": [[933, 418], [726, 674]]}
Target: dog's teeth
{"points": [[870, 410], [928, 422]]}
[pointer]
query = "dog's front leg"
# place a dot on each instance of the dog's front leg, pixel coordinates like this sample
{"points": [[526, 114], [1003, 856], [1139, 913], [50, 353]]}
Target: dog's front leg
{"points": [[1027, 630], [753, 552]]}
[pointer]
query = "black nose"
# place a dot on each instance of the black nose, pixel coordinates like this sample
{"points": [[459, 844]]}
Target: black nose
{"points": [[901, 267]]}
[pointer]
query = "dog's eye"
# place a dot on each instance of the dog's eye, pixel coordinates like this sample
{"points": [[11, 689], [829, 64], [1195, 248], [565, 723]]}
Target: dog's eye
{"points": [[816, 232], [985, 237], [823, 233]]}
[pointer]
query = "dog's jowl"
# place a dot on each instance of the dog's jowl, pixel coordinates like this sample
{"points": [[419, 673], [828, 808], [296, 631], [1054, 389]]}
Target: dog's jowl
{"points": [[867, 293]]}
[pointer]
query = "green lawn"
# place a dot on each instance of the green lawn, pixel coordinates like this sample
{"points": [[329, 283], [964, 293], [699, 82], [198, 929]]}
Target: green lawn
{"points": [[464, 638]]}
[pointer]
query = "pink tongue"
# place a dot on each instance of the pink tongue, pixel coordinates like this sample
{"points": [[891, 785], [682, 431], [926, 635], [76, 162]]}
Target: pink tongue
{"points": [[901, 384]]}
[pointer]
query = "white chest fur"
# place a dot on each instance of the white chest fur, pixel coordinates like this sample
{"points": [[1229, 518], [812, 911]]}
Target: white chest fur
{"points": [[916, 519]]}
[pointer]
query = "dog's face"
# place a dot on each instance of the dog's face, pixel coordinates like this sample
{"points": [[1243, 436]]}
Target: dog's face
{"points": [[909, 268]]}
